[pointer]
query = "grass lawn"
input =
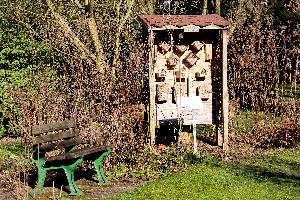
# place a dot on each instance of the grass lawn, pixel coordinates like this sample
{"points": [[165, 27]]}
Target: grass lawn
{"points": [[275, 176]]}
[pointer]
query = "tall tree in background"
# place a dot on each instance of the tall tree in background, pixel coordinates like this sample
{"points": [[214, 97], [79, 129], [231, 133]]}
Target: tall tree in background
{"points": [[218, 7], [204, 9]]}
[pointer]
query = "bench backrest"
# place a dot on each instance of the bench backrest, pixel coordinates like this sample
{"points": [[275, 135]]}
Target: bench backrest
{"points": [[54, 136]]}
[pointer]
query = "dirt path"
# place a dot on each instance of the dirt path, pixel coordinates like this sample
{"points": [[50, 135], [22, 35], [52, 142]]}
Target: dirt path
{"points": [[90, 189]]}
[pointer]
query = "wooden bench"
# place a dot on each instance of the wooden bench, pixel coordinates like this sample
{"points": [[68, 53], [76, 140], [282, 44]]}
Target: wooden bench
{"points": [[62, 139]]}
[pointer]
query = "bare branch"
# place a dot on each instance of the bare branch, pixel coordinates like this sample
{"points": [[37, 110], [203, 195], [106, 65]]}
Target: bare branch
{"points": [[68, 32], [218, 7], [78, 4], [240, 17], [204, 10], [118, 34], [95, 37]]}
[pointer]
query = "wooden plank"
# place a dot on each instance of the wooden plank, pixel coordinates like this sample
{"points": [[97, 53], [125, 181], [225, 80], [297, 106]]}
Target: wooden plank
{"points": [[225, 95], [61, 144], [40, 129], [152, 117], [78, 153], [55, 136]]}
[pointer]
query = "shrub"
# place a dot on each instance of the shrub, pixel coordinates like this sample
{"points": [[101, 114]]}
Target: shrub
{"points": [[152, 163], [21, 61]]}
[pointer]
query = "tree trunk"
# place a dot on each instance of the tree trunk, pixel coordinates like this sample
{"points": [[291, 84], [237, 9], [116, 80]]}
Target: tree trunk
{"points": [[218, 7], [204, 9]]}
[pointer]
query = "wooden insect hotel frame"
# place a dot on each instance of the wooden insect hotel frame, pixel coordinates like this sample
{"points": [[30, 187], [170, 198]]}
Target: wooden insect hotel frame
{"points": [[187, 72]]}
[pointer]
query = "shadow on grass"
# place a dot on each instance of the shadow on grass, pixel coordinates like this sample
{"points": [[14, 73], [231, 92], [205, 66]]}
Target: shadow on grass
{"points": [[276, 170]]}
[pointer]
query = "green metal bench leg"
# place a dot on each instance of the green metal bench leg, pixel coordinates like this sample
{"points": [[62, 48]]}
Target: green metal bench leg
{"points": [[69, 171], [99, 169], [41, 175]]}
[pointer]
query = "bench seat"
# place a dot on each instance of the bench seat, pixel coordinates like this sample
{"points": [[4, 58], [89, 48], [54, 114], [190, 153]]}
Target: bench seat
{"points": [[64, 136]]}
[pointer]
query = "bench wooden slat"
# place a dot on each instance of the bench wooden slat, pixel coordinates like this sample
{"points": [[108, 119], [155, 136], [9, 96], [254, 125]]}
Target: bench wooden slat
{"points": [[62, 144], [40, 129], [55, 136], [77, 153]]}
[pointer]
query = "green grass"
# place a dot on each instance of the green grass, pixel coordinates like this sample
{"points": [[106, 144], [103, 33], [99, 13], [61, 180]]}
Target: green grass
{"points": [[276, 176], [246, 121], [11, 155]]}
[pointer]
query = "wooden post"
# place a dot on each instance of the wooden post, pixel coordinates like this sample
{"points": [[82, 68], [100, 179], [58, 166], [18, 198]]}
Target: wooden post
{"points": [[152, 117], [296, 75], [225, 96]]}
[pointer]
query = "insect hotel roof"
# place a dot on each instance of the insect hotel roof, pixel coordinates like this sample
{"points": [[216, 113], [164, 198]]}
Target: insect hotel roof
{"points": [[162, 22]]}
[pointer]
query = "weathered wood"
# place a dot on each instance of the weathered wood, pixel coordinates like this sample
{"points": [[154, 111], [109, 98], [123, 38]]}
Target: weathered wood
{"points": [[208, 51], [77, 153], [225, 95], [40, 129], [55, 136], [66, 140], [296, 75], [196, 53], [62, 144], [152, 88]]}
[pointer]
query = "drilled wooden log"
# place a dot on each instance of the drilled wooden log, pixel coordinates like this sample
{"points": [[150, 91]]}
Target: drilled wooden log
{"points": [[197, 45], [181, 48], [191, 59]]}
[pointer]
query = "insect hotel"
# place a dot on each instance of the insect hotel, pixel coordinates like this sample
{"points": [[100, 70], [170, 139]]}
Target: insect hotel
{"points": [[188, 72]]}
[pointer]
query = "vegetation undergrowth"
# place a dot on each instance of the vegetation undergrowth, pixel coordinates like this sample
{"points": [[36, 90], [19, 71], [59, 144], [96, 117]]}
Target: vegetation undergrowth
{"points": [[10, 156], [273, 176], [14, 161], [154, 163]]}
